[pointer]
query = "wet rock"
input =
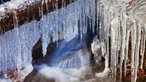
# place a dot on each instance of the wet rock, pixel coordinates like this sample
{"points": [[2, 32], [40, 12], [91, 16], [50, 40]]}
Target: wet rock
{"points": [[96, 48], [34, 76], [37, 55], [141, 79]]}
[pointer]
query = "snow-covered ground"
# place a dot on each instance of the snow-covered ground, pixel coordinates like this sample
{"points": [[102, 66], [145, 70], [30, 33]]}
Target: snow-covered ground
{"points": [[14, 4]]}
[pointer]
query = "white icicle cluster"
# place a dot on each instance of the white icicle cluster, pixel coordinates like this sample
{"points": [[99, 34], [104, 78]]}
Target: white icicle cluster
{"points": [[124, 22]]}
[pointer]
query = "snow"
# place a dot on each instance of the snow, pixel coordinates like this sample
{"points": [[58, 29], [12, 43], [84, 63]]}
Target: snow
{"points": [[10, 5]]}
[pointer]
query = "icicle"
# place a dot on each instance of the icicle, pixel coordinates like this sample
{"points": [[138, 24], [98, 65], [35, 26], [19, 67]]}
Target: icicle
{"points": [[15, 19], [142, 46], [63, 3], [137, 51], [93, 15], [122, 56], [107, 35], [40, 11], [56, 5], [80, 22], [114, 55], [47, 6], [133, 42], [44, 27], [57, 25], [57, 21], [42, 8], [0, 55], [84, 18], [107, 49], [126, 51]]}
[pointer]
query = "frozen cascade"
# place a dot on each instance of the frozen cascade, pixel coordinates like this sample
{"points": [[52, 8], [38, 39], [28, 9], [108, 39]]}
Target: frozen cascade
{"points": [[19, 41], [68, 20], [124, 25], [9, 45], [119, 27]]}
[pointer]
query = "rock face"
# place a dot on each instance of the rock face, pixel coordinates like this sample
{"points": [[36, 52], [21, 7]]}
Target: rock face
{"points": [[37, 55], [97, 50]]}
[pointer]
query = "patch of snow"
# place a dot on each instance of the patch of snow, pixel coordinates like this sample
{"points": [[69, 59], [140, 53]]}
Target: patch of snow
{"points": [[19, 4]]}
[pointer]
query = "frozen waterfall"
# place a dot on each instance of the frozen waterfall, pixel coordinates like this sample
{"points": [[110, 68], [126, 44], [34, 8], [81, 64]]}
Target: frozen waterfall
{"points": [[119, 26], [16, 44]]}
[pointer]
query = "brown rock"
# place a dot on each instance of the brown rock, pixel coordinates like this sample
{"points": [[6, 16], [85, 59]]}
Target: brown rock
{"points": [[34, 76]]}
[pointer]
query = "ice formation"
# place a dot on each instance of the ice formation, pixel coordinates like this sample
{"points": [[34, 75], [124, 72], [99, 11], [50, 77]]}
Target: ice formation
{"points": [[124, 30], [11, 48], [120, 28], [16, 44], [68, 20]]}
